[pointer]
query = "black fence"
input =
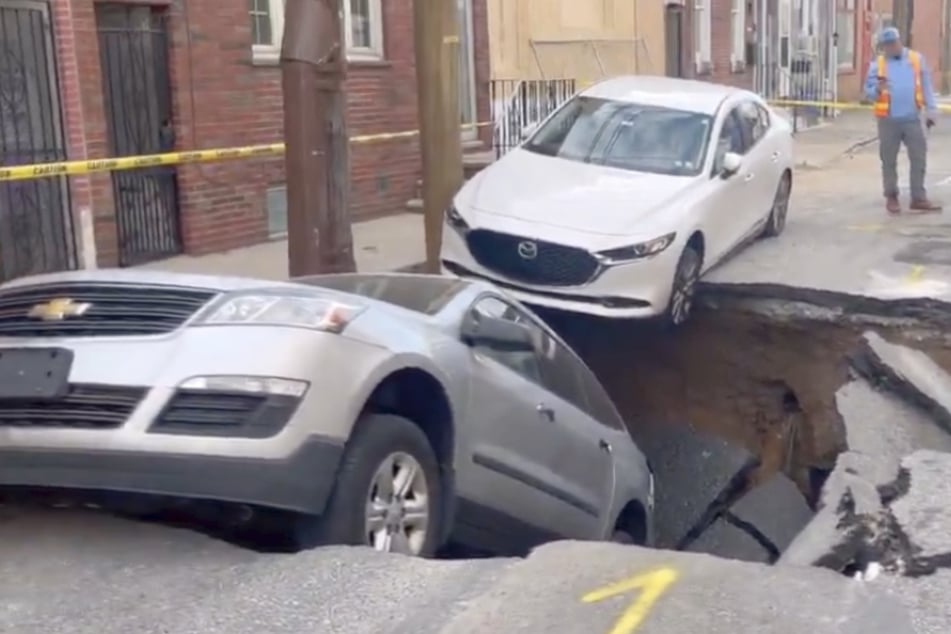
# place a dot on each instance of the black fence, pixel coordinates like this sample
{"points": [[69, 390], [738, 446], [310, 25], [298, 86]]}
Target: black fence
{"points": [[518, 104], [133, 45], [36, 228]]}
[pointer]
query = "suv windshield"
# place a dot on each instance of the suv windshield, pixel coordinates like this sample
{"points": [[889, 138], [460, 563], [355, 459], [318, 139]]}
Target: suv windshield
{"points": [[625, 135]]}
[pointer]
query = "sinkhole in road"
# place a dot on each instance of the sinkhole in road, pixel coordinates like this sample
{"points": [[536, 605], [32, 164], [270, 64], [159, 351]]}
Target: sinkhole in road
{"points": [[762, 374], [759, 373]]}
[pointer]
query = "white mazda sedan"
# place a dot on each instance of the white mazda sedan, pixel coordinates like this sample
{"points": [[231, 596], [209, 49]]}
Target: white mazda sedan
{"points": [[623, 197]]}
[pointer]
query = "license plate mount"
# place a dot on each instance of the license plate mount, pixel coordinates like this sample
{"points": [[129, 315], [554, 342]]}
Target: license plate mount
{"points": [[34, 373]]}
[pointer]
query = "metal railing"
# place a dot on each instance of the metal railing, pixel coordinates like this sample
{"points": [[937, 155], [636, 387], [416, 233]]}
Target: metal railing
{"points": [[517, 103], [806, 79], [36, 230]]}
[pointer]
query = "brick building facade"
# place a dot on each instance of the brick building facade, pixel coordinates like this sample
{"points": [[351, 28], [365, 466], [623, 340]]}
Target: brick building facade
{"points": [[722, 40], [870, 16], [217, 84]]}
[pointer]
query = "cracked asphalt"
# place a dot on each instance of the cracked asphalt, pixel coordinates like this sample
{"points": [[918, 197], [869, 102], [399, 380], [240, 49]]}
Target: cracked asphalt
{"points": [[884, 502]]}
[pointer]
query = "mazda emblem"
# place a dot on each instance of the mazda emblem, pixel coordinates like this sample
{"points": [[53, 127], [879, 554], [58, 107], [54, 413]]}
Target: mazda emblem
{"points": [[528, 250]]}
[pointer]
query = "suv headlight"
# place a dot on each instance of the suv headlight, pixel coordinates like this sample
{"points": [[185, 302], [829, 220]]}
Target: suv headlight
{"points": [[637, 251], [455, 220], [263, 309]]}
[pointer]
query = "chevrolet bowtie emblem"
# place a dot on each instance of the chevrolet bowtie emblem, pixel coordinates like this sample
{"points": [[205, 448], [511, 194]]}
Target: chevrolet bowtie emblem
{"points": [[59, 309]]}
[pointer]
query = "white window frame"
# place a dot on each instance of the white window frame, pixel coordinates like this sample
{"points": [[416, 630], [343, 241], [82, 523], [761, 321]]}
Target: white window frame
{"points": [[849, 9], [702, 35], [738, 35], [267, 54]]}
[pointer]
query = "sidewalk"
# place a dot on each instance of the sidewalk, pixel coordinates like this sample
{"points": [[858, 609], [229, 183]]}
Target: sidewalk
{"points": [[384, 244], [819, 146]]}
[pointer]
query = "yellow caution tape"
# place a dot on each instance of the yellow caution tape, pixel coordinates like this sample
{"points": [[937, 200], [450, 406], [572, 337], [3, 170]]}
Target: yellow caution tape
{"points": [[836, 105], [78, 168], [74, 168]]}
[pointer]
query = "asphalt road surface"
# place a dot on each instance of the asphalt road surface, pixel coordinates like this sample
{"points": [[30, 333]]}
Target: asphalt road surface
{"points": [[840, 239], [66, 571]]}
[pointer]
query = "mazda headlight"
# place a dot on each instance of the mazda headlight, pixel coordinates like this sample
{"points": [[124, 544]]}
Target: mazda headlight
{"points": [[455, 220], [282, 310], [638, 251]]}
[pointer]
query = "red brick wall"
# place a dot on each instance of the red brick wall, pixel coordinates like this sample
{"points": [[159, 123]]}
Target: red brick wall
{"points": [[926, 35], [221, 99], [721, 46], [68, 73], [850, 85]]}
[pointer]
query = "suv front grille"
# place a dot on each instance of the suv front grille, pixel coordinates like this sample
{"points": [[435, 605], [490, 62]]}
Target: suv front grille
{"points": [[85, 406], [551, 265], [220, 413], [97, 310]]}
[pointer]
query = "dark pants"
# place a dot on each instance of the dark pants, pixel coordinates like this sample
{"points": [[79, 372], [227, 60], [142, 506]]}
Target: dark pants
{"points": [[892, 133]]}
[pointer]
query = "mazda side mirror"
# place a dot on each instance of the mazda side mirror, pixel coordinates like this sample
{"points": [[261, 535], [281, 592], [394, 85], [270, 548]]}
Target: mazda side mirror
{"points": [[732, 162], [527, 130]]}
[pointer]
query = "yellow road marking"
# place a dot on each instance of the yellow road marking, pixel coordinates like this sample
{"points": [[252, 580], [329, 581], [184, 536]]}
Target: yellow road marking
{"points": [[652, 586], [914, 276]]}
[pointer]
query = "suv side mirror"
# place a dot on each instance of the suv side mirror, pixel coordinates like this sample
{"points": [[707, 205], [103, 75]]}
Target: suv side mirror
{"points": [[731, 164], [495, 333]]}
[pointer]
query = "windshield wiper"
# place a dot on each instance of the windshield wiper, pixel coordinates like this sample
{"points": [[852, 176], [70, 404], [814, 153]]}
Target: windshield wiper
{"points": [[628, 117]]}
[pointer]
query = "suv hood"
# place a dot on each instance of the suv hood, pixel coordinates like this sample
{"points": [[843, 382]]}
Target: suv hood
{"points": [[572, 195]]}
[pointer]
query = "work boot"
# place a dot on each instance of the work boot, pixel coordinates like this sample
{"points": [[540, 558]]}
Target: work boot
{"points": [[892, 205], [925, 206]]}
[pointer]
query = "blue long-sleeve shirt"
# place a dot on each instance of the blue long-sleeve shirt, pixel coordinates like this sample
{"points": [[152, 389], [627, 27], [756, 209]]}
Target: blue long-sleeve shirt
{"points": [[901, 86]]}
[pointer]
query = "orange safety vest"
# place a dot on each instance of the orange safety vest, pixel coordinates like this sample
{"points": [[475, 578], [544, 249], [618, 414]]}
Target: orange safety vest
{"points": [[883, 105]]}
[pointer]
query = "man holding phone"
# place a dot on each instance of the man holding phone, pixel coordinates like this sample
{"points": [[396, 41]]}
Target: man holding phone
{"points": [[899, 84]]}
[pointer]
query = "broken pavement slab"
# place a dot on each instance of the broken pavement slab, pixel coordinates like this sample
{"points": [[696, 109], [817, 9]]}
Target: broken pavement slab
{"points": [[695, 474], [910, 373], [89, 573], [844, 531], [924, 511], [723, 539], [775, 511], [926, 598], [547, 592], [878, 423]]}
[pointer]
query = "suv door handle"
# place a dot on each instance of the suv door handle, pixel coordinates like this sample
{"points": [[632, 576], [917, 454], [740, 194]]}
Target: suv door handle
{"points": [[775, 156], [748, 177], [604, 445], [545, 412]]}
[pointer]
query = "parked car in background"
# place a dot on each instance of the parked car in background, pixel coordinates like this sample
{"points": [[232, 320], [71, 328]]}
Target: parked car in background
{"points": [[621, 199], [394, 410]]}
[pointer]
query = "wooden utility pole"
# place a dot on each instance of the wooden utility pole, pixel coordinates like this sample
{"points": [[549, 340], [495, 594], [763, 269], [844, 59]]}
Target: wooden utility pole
{"points": [[946, 46], [436, 30], [317, 159]]}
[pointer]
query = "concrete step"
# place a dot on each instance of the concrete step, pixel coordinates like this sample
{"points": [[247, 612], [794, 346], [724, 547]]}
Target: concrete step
{"points": [[415, 205]]}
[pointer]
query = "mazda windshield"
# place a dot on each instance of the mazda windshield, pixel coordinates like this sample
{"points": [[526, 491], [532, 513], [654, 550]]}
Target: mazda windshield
{"points": [[625, 135]]}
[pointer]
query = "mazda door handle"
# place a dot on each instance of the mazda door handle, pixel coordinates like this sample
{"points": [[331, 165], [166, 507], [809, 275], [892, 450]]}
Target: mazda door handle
{"points": [[545, 412]]}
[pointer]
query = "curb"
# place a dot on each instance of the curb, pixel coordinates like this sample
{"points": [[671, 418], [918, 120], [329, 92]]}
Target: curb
{"points": [[849, 151]]}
